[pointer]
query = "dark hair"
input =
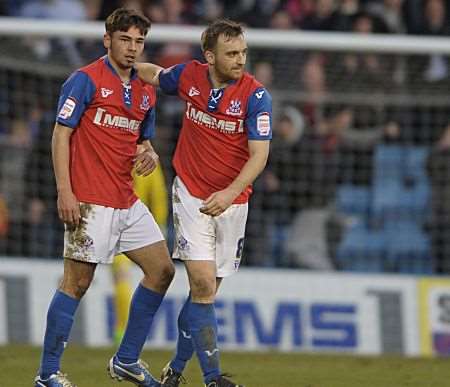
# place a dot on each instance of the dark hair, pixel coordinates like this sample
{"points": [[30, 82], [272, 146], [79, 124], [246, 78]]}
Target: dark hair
{"points": [[122, 19], [227, 28]]}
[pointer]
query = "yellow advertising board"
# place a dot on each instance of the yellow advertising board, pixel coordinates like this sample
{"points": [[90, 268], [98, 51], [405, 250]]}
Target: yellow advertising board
{"points": [[434, 316]]}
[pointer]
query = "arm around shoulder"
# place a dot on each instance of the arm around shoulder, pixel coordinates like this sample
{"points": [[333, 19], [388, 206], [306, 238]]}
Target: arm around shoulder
{"points": [[149, 72]]}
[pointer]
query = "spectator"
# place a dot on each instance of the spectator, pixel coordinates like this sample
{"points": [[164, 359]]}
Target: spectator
{"points": [[391, 12], [393, 17], [355, 72], [206, 11], [436, 24], [73, 10], [314, 85], [348, 9], [309, 179], [435, 18], [357, 133], [54, 9], [263, 73], [281, 20], [413, 10], [255, 252], [325, 17], [106, 7], [155, 12], [12, 7], [299, 10], [439, 173], [283, 185], [3, 10], [260, 14], [4, 224], [330, 151], [14, 150], [43, 228], [170, 12]]}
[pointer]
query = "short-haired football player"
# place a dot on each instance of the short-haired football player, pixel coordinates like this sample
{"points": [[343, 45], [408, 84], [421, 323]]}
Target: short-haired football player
{"points": [[104, 111], [222, 147]]}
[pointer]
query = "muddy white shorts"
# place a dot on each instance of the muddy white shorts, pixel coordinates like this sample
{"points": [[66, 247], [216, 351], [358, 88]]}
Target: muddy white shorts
{"points": [[105, 231], [203, 237]]}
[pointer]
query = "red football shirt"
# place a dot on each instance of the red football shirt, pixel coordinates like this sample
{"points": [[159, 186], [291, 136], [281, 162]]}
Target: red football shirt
{"points": [[212, 146], [108, 118]]}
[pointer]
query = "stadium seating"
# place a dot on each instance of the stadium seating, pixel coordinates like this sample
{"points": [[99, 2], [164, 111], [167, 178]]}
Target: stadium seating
{"points": [[389, 162], [389, 235], [408, 248], [362, 249], [353, 199], [400, 185]]}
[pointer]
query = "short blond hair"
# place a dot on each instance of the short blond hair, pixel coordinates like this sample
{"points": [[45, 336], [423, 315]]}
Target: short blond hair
{"points": [[225, 27]]}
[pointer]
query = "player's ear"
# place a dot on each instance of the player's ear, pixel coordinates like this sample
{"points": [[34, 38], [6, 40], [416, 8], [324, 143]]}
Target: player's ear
{"points": [[209, 56], [107, 40]]}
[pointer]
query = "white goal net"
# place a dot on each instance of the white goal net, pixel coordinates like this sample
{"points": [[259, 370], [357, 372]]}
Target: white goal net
{"points": [[359, 173]]}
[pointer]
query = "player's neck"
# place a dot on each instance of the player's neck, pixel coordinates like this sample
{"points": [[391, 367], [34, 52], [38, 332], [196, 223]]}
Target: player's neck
{"points": [[216, 81], [124, 74]]}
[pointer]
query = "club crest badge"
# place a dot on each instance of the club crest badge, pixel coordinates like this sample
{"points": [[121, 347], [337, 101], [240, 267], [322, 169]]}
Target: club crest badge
{"points": [[145, 104], [235, 108]]}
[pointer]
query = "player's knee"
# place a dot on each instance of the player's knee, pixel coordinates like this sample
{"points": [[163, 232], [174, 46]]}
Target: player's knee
{"points": [[167, 274], [82, 286], [203, 288], [163, 276], [77, 288]]}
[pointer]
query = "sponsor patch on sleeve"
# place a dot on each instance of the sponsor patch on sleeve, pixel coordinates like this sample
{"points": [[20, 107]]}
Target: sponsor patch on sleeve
{"points": [[263, 124], [67, 109]]}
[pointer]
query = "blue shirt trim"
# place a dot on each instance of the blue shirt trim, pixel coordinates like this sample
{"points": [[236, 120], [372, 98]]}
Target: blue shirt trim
{"points": [[148, 125], [259, 103], [169, 79], [76, 94]]}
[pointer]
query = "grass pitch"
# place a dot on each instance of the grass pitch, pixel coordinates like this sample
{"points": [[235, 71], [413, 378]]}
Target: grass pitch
{"points": [[86, 367]]}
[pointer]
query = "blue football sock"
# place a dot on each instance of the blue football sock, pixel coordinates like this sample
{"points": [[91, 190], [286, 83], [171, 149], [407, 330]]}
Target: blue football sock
{"points": [[185, 348], [203, 328], [144, 304], [59, 322]]}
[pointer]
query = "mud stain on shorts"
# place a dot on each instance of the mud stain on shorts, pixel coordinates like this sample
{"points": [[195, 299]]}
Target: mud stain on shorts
{"points": [[79, 246]]}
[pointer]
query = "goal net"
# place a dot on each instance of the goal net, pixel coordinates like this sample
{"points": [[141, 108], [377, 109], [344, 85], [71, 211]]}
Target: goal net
{"points": [[358, 177]]}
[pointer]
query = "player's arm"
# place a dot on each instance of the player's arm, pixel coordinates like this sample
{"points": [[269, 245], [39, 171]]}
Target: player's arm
{"points": [[219, 201], [76, 94], [259, 153], [146, 159], [68, 205], [149, 72], [167, 79], [258, 124]]}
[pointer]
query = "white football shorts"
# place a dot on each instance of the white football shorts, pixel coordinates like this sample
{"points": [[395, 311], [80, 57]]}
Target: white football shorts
{"points": [[105, 232], [203, 237]]}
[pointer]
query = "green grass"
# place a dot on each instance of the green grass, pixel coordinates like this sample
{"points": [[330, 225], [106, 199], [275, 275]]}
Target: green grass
{"points": [[86, 368]]}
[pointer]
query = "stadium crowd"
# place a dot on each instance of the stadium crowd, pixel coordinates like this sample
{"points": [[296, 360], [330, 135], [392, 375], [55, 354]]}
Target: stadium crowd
{"points": [[336, 115], [427, 17]]}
